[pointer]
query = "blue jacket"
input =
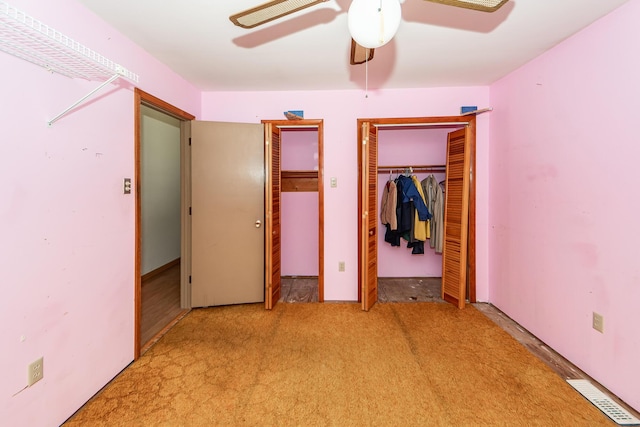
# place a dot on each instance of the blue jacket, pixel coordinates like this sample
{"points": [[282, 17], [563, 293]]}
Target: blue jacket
{"points": [[407, 192]]}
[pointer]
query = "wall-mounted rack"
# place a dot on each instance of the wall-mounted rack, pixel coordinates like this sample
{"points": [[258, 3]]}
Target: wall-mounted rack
{"points": [[27, 38]]}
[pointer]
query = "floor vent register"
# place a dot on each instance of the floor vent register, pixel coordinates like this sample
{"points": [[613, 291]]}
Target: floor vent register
{"points": [[603, 402]]}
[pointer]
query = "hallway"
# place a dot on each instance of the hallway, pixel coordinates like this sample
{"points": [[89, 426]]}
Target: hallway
{"points": [[160, 303]]}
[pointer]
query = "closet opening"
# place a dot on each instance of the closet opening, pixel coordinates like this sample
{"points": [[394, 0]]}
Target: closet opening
{"points": [[299, 215], [294, 212], [400, 255]]}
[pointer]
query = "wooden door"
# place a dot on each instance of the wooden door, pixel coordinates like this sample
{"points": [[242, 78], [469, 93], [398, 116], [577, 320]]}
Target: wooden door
{"points": [[369, 224], [227, 205], [456, 218], [272, 210]]}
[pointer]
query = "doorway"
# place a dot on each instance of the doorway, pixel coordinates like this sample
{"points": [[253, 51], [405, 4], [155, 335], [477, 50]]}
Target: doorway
{"points": [[458, 259], [162, 266], [299, 213], [294, 177]]}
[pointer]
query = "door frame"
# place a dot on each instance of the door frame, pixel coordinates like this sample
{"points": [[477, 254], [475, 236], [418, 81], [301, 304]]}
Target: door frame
{"points": [[318, 124], [143, 98], [451, 121]]}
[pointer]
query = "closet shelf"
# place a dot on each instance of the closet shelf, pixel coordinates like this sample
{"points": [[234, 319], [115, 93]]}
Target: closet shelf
{"points": [[299, 180], [29, 39]]}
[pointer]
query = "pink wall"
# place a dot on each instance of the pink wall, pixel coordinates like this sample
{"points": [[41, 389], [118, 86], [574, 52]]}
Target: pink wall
{"points": [[299, 210], [299, 149], [67, 229], [563, 219], [340, 111], [409, 146], [299, 215]]}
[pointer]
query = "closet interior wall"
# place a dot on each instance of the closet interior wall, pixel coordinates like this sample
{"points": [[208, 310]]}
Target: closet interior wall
{"points": [[299, 203], [409, 148]]}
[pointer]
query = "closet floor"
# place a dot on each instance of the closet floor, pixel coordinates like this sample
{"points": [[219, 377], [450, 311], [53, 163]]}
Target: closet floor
{"points": [[409, 289], [390, 289], [298, 289]]}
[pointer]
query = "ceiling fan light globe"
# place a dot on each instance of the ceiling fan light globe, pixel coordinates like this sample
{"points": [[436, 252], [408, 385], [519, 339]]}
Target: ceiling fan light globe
{"points": [[373, 23]]}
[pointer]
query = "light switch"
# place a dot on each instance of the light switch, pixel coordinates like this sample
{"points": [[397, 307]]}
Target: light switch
{"points": [[127, 186], [334, 182]]}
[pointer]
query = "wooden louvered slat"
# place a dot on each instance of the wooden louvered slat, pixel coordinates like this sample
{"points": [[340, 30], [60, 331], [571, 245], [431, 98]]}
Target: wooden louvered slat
{"points": [[275, 230], [373, 216], [273, 186], [369, 234], [454, 252]]}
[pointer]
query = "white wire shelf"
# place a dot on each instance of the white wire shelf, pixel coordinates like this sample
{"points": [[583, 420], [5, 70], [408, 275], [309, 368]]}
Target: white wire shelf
{"points": [[27, 38]]}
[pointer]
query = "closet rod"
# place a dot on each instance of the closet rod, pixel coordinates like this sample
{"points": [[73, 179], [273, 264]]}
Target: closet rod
{"points": [[422, 124], [414, 168]]}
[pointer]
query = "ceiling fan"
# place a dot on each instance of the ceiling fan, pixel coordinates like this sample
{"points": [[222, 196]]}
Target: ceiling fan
{"points": [[276, 9]]}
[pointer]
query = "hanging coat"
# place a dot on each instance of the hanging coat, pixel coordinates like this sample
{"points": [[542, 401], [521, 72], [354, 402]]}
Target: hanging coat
{"points": [[403, 216], [420, 228], [407, 191], [435, 204], [388, 205]]}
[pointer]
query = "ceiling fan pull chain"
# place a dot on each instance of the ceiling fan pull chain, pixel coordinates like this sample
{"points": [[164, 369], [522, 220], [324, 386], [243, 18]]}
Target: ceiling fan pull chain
{"points": [[381, 38], [366, 74]]}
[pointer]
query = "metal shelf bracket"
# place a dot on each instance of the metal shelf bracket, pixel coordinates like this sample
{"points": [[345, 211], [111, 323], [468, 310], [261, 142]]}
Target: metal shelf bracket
{"points": [[59, 116]]}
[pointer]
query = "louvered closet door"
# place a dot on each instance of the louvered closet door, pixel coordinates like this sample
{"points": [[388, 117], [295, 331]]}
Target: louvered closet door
{"points": [[369, 227], [272, 210], [456, 218]]}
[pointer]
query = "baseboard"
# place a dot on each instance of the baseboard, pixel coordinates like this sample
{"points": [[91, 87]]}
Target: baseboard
{"points": [[164, 330], [161, 269]]}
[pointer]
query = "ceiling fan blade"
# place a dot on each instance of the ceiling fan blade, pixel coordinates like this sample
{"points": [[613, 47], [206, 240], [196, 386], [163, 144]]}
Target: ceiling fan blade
{"points": [[264, 13], [359, 54], [483, 5]]}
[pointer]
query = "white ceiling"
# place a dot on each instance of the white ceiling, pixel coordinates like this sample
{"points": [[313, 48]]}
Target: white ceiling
{"points": [[436, 45]]}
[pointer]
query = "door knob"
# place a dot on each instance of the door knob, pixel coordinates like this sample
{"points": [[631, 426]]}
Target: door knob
{"points": [[258, 223]]}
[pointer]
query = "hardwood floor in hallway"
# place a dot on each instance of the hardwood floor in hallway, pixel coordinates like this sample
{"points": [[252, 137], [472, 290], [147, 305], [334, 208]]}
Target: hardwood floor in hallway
{"points": [[160, 304]]}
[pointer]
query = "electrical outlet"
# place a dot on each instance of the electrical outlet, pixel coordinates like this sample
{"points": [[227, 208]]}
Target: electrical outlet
{"points": [[341, 266], [598, 322], [35, 371]]}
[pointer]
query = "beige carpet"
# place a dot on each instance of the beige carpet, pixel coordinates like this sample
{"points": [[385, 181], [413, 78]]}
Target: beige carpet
{"points": [[422, 364]]}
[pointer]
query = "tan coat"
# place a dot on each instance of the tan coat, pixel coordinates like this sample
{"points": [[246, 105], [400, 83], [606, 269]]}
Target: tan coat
{"points": [[435, 204], [388, 205]]}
